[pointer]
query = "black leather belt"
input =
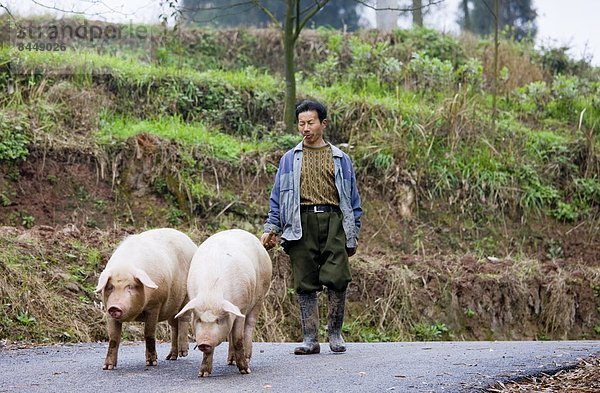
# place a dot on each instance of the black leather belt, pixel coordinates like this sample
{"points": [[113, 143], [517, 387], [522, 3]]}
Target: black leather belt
{"points": [[319, 208]]}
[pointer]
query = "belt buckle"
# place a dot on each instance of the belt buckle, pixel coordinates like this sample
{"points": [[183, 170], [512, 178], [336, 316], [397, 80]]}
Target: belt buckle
{"points": [[316, 209]]}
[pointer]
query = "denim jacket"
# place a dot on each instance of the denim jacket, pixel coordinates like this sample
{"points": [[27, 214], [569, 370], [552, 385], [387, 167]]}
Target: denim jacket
{"points": [[284, 206]]}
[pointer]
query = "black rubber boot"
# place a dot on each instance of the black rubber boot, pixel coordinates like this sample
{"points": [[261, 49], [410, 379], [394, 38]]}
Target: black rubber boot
{"points": [[309, 316], [335, 319]]}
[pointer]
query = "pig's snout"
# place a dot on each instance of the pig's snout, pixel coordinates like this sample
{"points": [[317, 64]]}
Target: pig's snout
{"points": [[115, 312], [206, 348]]}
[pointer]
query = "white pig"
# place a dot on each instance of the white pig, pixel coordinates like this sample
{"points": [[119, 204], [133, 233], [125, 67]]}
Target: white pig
{"points": [[145, 280], [229, 278]]}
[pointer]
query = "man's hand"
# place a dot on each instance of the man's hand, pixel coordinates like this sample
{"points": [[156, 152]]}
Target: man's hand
{"points": [[351, 251], [269, 240]]}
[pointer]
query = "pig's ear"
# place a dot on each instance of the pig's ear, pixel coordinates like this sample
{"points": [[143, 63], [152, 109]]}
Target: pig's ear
{"points": [[102, 280], [232, 308], [145, 279], [188, 307]]}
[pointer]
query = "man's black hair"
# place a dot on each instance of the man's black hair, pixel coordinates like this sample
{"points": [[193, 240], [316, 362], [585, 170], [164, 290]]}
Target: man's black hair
{"points": [[308, 105]]}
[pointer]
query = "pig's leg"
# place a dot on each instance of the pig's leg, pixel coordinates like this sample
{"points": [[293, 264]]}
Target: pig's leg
{"points": [[179, 338], [249, 330], [207, 364], [230, 350], [174, 323], [237, 334], [114, 339], [183, 342], [150, 337]]}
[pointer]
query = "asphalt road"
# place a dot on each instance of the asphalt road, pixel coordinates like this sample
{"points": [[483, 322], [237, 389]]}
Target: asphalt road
{"points": [[379, 367]]}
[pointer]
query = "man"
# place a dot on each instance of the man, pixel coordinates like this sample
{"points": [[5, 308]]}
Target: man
{"points": [[315, 210]]}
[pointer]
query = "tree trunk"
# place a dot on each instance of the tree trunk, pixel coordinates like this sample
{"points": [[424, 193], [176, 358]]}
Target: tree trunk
{"points": [[417, 13], [496, 44], [289, 43], [465, 6], [386, 19]]}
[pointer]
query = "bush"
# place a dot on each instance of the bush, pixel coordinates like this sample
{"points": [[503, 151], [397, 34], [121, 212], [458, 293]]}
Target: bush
{"points": [[566, 95], [535, 194], [588, 191], [430, 73], [565, 212], [432, 43], [13, 140], [557, 61], [532, 98], [471, 75]]}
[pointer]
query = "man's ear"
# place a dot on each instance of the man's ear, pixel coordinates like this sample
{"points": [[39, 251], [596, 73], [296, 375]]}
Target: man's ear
{"points": [[325, 122]]}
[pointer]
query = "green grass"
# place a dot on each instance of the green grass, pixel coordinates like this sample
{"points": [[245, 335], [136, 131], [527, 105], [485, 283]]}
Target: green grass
{"points": [[197, 135], [248, 78], [542, 142], [127, 65], [344, 92]]}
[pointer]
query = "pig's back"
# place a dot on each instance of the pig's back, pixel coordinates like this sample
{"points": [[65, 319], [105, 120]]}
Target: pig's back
{"points": [[165, 255], [163, 252], [234, 254]]}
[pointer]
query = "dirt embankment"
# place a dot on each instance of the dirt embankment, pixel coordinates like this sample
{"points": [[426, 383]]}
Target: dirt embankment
{"points": [[64, 219]]}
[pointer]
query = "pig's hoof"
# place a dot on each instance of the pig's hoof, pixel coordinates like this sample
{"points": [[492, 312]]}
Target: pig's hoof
{"points": [[171, 357], [108, 367], [203, 374], [151, 363], [245, 371], [183, 353]]}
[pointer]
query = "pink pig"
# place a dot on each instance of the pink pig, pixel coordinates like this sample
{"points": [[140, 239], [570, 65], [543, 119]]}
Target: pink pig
{"points": [[145, 280], [229, 278]]}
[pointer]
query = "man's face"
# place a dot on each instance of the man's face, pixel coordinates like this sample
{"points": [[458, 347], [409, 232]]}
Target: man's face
{"points": [[311, 128]]}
